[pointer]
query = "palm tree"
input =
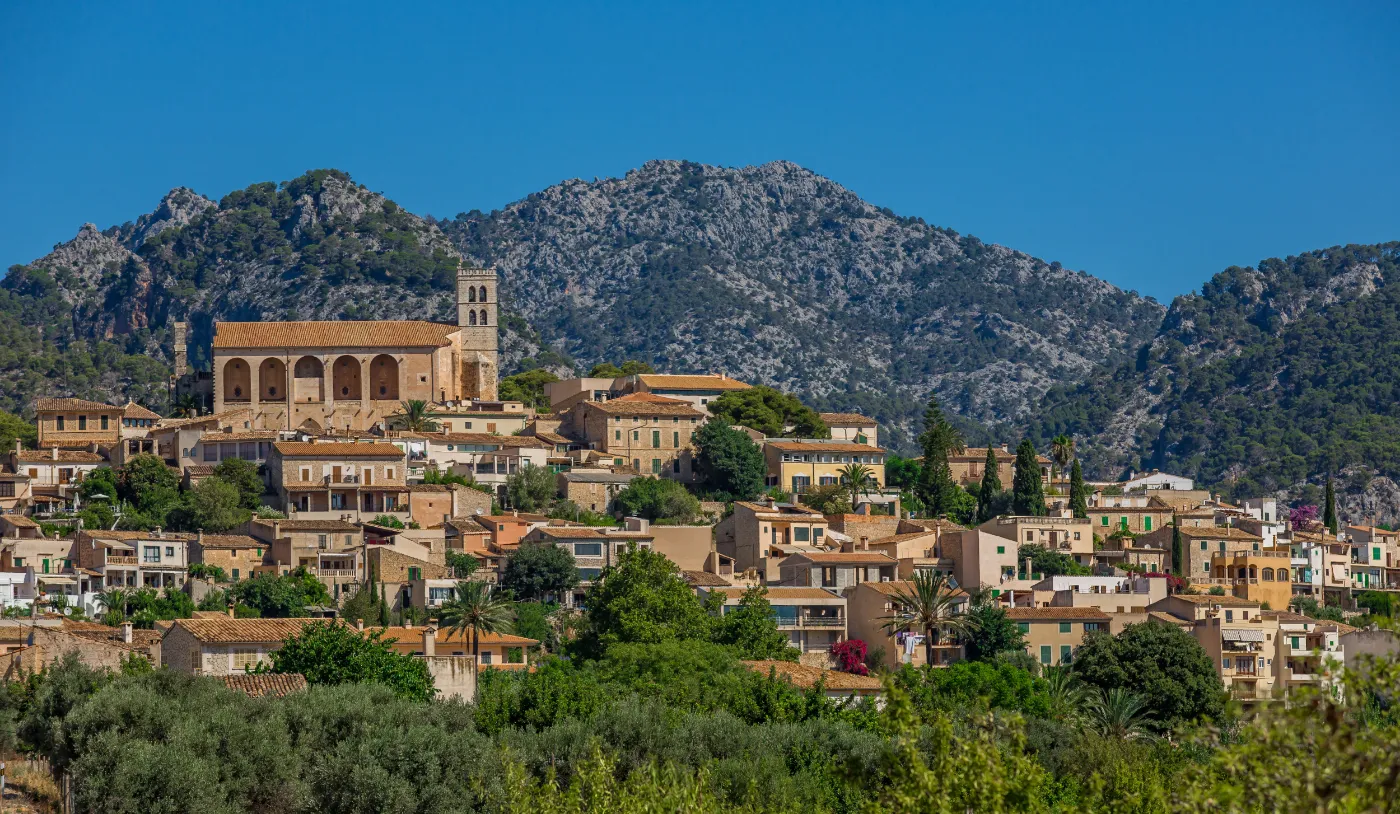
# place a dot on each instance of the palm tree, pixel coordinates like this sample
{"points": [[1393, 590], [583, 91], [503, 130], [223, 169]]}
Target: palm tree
{"points": [[858, 478], [1061, 453], [1065, 692], [185, 406], [1117, 713], [929, 602], [114, 599], [414, 417], [476, 608]]}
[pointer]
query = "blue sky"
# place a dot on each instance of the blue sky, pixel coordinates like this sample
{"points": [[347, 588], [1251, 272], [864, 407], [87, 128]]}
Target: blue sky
{"points": [[1149, 144]]}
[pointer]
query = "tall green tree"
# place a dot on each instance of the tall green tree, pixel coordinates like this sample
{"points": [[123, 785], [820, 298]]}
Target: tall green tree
{"points": [[1061, 453], [938, 440], [13, 428], [328, 654], [1178, 552], [214, 506], [1027, 489], [539, 572], [769, 411], [528, 388], [476, 608], [752, 630], [1078, 491], [991, 487], [1164, 665], [151, 487], [531, 488], [657, 499], [858, 479], [729, 464], [1329, 513], [928, 603], [643, 599], [281, 596], [992, 632], [243, 476]]}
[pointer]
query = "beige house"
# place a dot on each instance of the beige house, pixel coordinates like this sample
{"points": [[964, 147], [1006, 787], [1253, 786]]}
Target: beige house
{"points": [[353, 375], [1199, 546], [919, 550], [177, 440], [852, 427], [1262, 576], [871, 603], [1110, 594], [77, 424], [135, 559], [969, 465], [354, 481], [1067, 535], [237, 554], [593, 550], [1243, 641], [982, 559], [798, 465], [837, 570], [1154, 514], [592, 490], [1053, 634], [813, 619], [652, 434], [749, 534]]}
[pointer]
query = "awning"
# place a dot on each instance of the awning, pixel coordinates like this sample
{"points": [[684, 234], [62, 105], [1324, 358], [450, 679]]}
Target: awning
{"points": [[1236, 635], [55, 579]]}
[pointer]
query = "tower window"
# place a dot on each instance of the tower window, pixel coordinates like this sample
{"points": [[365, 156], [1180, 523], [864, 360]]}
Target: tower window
{"points": [[471, 295], [483, 293], [483, 316], [471, 319]]}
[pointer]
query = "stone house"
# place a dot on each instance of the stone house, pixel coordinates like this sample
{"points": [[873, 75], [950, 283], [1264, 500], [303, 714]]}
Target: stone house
{"points": [[135, 559], [837, 570], [752, 530], [355, 481], [1199, 545], [592, 490], [871, 603], [969, 465], [593, 550], [652, 434], [77, 424], [852, 427], [798, 465], [813, 619], [1053, 634], [237, 554], [223, 646]]}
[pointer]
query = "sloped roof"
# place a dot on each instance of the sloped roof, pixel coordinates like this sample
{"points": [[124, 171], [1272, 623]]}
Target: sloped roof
{"points": [[445, 636], [705, 579], [818, 446], [487, 438], [338, 334], [309, 525], [596, 476], [640, 404], [703, 381], [226, 630], [306, 449], [784, 593], [265, 685], [847, 420], [65, 456], [902, 586], [134, 410], [231, 541], [845, 558], [1219, 532], [1211, 599], [1062, 614], [44, 405]]}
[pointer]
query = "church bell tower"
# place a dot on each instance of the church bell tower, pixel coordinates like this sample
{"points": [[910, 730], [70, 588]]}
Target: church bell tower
{"points": [[478, 318]]}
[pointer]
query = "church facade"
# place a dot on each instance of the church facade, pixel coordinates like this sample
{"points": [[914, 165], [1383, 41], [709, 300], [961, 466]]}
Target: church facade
{"points": [[351, 375]]}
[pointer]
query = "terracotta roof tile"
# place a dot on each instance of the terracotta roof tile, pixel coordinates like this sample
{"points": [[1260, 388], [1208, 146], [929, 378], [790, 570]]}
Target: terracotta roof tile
{"points": [[665, 381], [804, 677], [45, 405], [226, 630], [309, 525], [847, 420], [486, 438], [230, 541], [445, 636], [783, 593], [705, 579], [822, 446], [342, 334], [304, 449], [1211, 599], [1063, 614], [65, 456], [644, 404], [265, 685], [846, 558], [899, 586], [1219, 532], [218, 418], [248, 435], [134, 410]]}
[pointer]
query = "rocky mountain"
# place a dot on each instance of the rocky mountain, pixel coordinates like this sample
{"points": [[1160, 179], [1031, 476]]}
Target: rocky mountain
{"points": [[1266, 382], [776, 275], [771, 273]]}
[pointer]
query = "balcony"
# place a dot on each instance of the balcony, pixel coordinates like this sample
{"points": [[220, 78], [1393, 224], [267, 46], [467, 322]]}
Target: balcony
{"points": [[113, 559], [803, 622], [335, 572]]}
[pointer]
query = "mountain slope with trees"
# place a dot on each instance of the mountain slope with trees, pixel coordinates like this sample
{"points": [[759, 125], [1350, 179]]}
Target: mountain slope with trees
{"points": [[1267, 381]]}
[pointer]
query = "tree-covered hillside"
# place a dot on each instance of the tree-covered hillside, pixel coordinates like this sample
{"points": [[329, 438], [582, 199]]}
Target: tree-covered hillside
{"points": [[1267, 378]]}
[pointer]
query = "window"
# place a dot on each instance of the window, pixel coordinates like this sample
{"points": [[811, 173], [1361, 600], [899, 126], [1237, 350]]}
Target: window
{"points": [[1147, 524], [389, 473], [1103, 521], [617, 435], [82, 423], [1294, 641], [244, 658], [1024, 627], [636, 436], [1375, 553], [1045, 652], [1030, 536], [414, 572], [104, 422], [676, 466], [1203, 545], [486, 657], [59, 419], [1091, 627], [196, 661], [1066, 654], [170, 551], [1229, 616], [235, 575], [1064, 627], [323, 541], [19, 562], [150, 553], [439, 594], [588, 574], [7, 489], [1227, 663], [588, 549], [656, 439], [828, 577], [656, 466], [1001, 549], [799, 535]]}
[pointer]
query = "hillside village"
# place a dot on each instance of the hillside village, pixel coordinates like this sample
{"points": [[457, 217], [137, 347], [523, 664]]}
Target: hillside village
{"points": [[378, 469]]}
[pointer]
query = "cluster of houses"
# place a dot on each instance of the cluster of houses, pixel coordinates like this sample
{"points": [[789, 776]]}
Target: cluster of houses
{"points": [[319, 408]]}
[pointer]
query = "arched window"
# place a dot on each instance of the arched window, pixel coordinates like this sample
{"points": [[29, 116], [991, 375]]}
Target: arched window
{"points": [[471, 317], [346, 375], [471, 294], [483, 293], [238, 381], [1268, 575], [483, 316], [384, 378]]}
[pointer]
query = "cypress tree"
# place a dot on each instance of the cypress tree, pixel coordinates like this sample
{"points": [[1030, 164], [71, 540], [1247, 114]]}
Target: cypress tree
{"points": [[991, 486], [936, 486], [1078, 492], [1329, 514], [1176, 550], [1027, 490]]}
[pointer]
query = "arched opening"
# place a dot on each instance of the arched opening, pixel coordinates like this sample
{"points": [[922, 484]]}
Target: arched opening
{"points": [[471, 294], [384, 378], [272, 380], [309, 380], [1253, 572], [1268, 575], [238, 381], [345, 378], [482, 297], [471, 317], [483, 317]]}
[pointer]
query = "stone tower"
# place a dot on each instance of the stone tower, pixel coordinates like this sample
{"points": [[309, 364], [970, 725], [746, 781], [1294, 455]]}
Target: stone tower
{"points": [[479, 320]]}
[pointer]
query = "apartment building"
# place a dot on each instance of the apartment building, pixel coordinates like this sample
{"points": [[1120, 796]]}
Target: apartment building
{"points": [[651, 434], [135, 559], [798, 465], [871, 604], [355, 481], [593, 550], [749, 534], [1072, 536], [1242, 640], [837, 570], [813, 619], [853, 428], [1054, 634]]}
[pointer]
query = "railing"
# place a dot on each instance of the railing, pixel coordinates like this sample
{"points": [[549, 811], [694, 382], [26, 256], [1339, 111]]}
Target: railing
{"points": [[335, 572], [113, 559], [810, 621]]}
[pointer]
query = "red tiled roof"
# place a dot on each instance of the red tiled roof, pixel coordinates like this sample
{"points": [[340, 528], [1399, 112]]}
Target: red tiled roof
{"points": [[1062, 614], [64, 456], [134, 410], [304, 449], [265, 685], [847, 420], [704, 381], [820, 446], [46, 405], [846, 557], [226, 630], [643, 404], [342, 334]]}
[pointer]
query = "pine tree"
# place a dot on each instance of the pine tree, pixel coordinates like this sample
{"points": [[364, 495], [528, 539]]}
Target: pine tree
{"points": [[1078, 491], [1027, 490], [936, 487], [1329, 514], [991, 486]]}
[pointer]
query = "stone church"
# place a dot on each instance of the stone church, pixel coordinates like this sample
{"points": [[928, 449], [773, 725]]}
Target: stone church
{"points": [[351, 375]]}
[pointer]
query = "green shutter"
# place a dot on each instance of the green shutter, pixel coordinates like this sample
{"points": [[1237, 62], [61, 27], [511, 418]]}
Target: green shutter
{"points": [[1045, 652]]}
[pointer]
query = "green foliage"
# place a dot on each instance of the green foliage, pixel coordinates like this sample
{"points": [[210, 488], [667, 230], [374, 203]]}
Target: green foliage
{"points": [[214, 506], [387, 521], [146, 606], [1049, 563], [415, 415], [476, 608], [1329, 513], [530, 488], [1165, 666], [751, 629], [1027, 491], [538, 572], [657, 499], [992, 633], [281, 596], [728, 463], [902, 473], [770, 412], [151, 487], [631, 367], [1078, 491], [462, 565], [13, 428], [100, 481], [242, 475], [937, 490], [528, 388], [832, 498], [991, 486], [532, 621], [643, 599], [330, 653]]}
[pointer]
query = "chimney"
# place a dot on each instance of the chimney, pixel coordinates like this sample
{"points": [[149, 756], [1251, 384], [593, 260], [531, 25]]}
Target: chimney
{"points": [[408, 623], [160, 533], [1005, 448], [19, 446], [864, 543], [126, 632], [199, 536], [429, 641], [230, 611], [53, 453], [359, 624]]}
